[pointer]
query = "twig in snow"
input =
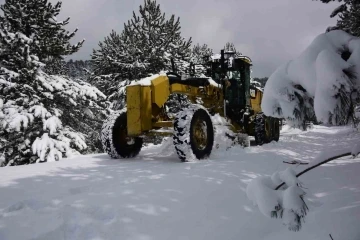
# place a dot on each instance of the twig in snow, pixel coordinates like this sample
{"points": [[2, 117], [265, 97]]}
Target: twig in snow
{"points": [[331, 237], [294, 162], [316, 165]]}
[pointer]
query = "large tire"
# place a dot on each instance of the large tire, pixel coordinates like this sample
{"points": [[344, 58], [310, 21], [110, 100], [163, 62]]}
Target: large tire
{"points": [[276, 129], [115, 140], [193, 133], [261, 129]]}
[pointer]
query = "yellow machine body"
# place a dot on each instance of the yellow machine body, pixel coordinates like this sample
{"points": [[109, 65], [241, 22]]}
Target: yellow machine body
{"points": [[225, 89], [145, 103], [255, 99]]}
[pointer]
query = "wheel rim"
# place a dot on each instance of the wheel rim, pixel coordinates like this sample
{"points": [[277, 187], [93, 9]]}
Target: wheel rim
{"points": [[200, 134]]}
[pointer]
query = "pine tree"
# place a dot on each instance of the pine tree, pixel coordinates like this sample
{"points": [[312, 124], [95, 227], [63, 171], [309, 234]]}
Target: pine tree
{"points": [[145, 46], [38, 18], [349, 16], [78, 69], [349, 19], [230, 47], [40, 114], [157, 38], [116, 60], [201, 54], [334, 72], [56, 66]]}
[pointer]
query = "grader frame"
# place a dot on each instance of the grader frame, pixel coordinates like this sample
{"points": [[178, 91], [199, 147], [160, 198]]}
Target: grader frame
{"points": [[146, 114], [145, 103]]}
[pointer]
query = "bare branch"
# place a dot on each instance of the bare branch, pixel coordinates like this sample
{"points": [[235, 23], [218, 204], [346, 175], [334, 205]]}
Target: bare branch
{"points": [[294, 162], [316, 165]]}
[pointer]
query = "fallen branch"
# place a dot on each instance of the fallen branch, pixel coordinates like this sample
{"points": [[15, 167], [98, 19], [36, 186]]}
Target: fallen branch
{"points": [[316, 165], [294, 162]]}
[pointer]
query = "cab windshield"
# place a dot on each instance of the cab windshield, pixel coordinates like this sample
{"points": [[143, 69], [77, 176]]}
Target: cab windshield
{"points": [[234, 75]]}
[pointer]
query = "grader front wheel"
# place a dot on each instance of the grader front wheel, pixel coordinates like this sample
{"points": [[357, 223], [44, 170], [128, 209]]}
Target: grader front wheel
{"points": [[115, 140], [193, 133], [201, 134]]}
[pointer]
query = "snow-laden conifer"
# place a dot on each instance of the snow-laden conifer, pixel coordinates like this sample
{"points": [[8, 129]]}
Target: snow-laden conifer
{"points": [[348, 13], [42, 117], [37, 19], [146, 46], [323, 80]]}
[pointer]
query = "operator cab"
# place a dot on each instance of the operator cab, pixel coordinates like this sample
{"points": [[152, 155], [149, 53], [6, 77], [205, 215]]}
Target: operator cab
{"points": [[233, 72]]}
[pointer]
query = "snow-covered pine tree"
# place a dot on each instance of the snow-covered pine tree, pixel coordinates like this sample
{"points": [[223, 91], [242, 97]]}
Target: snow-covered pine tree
{"points": [[37, 19], [324, 91], [349, 16], [230, 47], [159, 41], [146, 46], [117, 59], [78, 69], [157, 38], [349, 19], [40, 114], [200, 56], [56, 66]]}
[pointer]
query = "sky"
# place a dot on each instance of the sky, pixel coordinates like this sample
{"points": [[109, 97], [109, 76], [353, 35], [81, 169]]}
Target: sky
{"points": [[270, 32]]}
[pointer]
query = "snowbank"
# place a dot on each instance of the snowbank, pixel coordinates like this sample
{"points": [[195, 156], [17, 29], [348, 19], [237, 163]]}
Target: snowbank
{"points": [[155, 197]]}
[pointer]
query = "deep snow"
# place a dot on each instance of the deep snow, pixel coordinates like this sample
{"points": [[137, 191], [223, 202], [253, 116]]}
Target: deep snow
{"points": [[155, 196]]}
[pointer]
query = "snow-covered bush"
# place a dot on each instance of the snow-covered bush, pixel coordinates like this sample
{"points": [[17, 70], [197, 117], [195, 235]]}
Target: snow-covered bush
{"points": [[282, 196], [287, 204], [320, 81]]}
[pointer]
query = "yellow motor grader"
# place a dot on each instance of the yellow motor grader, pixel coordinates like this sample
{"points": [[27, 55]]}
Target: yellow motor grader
{"points": [[226, 91]]}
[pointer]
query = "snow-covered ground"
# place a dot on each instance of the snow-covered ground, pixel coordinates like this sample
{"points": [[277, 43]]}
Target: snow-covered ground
{"points": [[155, 197]]}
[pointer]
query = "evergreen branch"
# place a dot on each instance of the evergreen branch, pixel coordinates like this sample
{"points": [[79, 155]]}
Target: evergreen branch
{"points": [[338, 10]]}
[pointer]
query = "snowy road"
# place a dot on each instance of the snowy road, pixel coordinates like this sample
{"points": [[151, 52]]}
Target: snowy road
{"points": [[156, 197]]}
